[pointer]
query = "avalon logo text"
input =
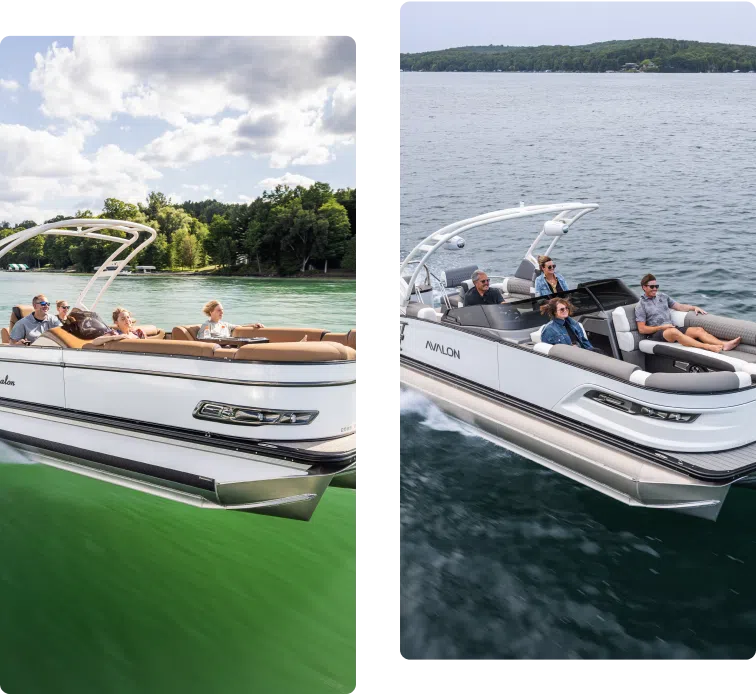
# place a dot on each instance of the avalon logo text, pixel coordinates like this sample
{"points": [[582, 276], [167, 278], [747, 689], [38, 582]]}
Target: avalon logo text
{"points": [[436, 347], [7, 382]]}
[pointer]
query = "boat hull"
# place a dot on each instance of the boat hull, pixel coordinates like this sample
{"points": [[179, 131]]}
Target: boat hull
{"points": [[142, 421], [616, 473]]}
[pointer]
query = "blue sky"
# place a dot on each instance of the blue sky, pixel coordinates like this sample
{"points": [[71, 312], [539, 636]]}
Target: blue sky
{"points": [[82, 119], [429, 26]]}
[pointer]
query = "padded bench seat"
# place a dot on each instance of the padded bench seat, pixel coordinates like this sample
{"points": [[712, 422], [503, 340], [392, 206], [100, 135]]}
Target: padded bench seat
{"points": [[186, 348], [296, 352], [713, 382], [721, 361]]}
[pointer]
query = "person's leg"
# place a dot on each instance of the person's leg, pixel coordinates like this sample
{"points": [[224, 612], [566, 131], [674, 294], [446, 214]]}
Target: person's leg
{"points": [[674, 335], [702, 336]]}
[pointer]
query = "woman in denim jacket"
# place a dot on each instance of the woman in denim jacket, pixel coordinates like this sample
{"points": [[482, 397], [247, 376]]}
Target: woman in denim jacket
{"points": [[549, 281], [563, 329]]}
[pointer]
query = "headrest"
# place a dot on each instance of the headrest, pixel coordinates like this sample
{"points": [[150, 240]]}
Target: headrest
{"points": [[526, 271], [19, 312], [623, 318], [458, 275]]}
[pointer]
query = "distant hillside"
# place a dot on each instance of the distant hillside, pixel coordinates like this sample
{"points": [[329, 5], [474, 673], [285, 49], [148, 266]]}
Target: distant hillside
{"points": [[646, 55]]}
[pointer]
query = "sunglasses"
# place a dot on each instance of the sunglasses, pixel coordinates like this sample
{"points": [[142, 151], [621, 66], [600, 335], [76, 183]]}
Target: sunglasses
{"points": [[43, 303], [550, 267], [65, 307], [562, 308], [652, 286], [485, 281]]}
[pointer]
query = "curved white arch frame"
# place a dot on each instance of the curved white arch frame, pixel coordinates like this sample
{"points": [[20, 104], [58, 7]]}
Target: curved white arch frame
{"points": [[89, 228], [567, 213]]}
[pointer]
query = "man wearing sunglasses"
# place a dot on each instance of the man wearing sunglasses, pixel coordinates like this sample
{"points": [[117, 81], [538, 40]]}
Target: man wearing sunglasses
{"points": [[482, 292], [28, 329], [652, 314]]}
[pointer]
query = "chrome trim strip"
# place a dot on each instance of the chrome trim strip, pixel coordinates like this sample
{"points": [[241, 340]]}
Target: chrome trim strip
{"points": [[215, 379], [189, 377], [283, 450]]}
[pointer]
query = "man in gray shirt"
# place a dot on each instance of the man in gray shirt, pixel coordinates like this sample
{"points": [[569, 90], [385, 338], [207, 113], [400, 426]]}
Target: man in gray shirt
{"points": [[652, 314], [28, 329]]}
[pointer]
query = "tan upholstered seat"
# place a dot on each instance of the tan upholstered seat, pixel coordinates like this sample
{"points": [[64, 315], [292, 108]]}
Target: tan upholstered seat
{"points": [[4, 336], [281, 334], [349, 338], [185, 332], [188, 348], [17, 312], [65, 339], [225, 353], [296, 352]]}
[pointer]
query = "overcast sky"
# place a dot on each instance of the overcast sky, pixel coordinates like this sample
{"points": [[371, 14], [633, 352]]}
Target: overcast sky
{"points": [[430, 26], [82, 119]]}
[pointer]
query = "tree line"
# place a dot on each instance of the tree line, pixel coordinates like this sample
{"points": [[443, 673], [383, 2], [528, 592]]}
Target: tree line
{"points": [[282, 232], [668, 55]]}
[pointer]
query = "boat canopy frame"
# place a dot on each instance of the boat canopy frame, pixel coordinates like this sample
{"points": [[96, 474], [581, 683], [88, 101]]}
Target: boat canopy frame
{"points": [[566, 214], [89, 228]]}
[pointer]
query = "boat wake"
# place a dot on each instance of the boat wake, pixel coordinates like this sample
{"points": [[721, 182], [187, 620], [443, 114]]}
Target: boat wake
{"points": [[411, 402], [12, 455]]}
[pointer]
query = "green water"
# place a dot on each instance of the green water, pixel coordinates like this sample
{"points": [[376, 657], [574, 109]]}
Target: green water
{"points": [[169, 301], [107, 590]]}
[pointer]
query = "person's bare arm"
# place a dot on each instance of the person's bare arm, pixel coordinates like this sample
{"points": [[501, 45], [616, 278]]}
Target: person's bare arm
{"points": [[687, 307], [644, 329]]}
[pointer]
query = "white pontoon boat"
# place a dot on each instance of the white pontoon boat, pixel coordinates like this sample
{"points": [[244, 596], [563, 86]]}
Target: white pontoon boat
{"points": [[261, 422], [648, 423]]}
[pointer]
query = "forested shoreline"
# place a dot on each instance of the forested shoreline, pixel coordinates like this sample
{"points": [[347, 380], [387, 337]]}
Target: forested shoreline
{"points": [[655, 55], [285, 232]]}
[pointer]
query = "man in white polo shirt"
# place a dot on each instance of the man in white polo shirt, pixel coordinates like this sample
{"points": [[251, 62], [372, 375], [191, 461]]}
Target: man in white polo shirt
{"points": [[28, 329]]}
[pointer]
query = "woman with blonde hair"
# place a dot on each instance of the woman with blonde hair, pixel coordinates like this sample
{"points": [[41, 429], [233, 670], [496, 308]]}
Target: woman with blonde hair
{"points": [[215, 326], [563, 329], [550, 281]]}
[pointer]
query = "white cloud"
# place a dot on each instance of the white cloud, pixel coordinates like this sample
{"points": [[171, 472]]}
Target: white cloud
{"points": [[176, 78], [288, 179], [218, 193], [10, 85], [288, 99], [42, 171]]}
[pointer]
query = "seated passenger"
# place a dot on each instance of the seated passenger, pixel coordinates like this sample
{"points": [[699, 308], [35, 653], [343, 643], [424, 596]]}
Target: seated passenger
{"points": [[63, 308], [482, 292], [28, 329], [655, 321], [550, 282], [215, 327], [125, 324], [563, 329]]}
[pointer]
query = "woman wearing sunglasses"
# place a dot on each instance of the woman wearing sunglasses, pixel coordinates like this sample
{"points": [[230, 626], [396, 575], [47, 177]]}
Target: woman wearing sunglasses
{"points": [[63, 308], [550, 281], [563, 329]]}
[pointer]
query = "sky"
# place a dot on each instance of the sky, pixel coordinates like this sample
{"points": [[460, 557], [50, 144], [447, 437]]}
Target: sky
{"points": [[86, 118], [437, 25]]}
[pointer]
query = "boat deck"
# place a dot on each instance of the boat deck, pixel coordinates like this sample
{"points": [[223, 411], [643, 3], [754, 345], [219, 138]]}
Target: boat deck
{"points": [[721, 461]]}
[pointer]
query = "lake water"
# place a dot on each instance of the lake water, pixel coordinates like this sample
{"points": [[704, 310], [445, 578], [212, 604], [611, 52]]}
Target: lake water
{"points": [[104, 589], [502, 558]]}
